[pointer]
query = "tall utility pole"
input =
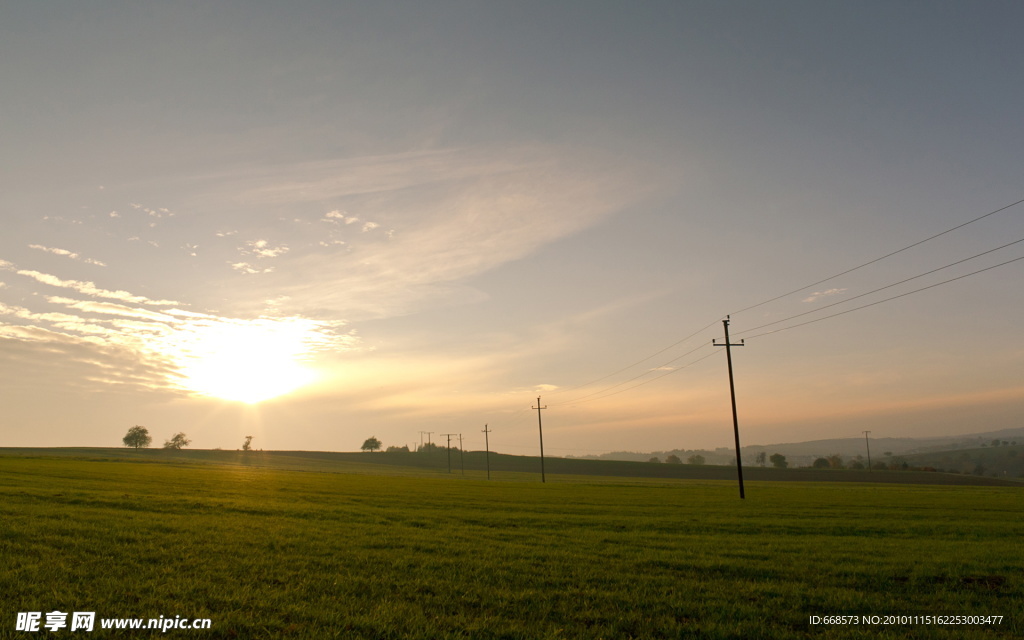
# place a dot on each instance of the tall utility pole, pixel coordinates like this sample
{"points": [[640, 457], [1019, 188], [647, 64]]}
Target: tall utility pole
{"points": [[429, 433], [732, 392], [449, 435], [487, 450], [541, 430], [868, 445], [462, 456]]}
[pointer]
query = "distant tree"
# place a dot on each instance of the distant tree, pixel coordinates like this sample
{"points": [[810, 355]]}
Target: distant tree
{"points": [[696, 459], [137, 437], [402, 449], [856, 464], [761, 458], [880, 466], [178, 441], [778, 461], [247, 445], [821, 463], [654, 459], [429, 447], [835, 461], [372, 444], [995, 442], [673, 459]]}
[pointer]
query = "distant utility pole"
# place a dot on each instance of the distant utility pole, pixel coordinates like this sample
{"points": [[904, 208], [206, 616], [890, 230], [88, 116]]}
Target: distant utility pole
{"points": [[541, 430], [487, 450], [429, 433], [868, 445], [732, 392], [462, 456], [449, 449]]}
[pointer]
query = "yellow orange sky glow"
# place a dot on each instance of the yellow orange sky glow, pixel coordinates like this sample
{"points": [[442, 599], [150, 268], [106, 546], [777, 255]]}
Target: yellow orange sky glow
{"points": [[247, 361]]}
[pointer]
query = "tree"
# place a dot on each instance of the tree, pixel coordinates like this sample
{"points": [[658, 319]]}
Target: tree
{"points": [[695, 459], [137, 437], [179, 441], [395, 449], [372, 444], [654, 459], [247, 445], [673, 459], [778, 461], [821, 463], [835, 461], [761, 458]]}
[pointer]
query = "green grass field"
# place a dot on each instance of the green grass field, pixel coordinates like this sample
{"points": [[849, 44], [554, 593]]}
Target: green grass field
{"points": [[378, 551]]}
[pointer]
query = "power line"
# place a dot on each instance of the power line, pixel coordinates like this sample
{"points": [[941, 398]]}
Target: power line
{"points": [[888, 255], [634, 377], [677, 369], [888, 286], [932, 286], [626, 368]]}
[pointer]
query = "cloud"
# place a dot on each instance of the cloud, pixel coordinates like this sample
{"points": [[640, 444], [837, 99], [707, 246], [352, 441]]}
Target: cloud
{"points": [[262, 249], [90, 289], [245, 267], [66, 253], [451, 215], [823, 294], [108, 308]]}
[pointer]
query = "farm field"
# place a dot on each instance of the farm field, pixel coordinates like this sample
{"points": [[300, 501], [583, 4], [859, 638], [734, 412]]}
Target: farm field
{"points": [[343, 552]]}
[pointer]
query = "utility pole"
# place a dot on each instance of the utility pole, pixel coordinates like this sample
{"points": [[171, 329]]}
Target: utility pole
{"points": [[732, 392], [868, 445], [487, 450], [541, 430], [429, 433], [449, 449], [462, 456]]}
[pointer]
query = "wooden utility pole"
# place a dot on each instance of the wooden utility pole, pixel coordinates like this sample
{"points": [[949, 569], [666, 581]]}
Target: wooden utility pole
{"points": [[540, 429], [429, 433], [868, 445], [449, 435], [732, 392], [462, 456], [487, 450]]}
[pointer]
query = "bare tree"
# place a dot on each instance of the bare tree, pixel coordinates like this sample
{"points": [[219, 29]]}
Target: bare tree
{"points": [[178, 441]]}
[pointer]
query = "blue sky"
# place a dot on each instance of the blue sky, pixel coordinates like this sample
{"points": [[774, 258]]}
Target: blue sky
{"points": [[382, 218]]}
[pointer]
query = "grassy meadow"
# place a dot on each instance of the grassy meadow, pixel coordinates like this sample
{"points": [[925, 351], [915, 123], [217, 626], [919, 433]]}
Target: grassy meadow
{"points": [[379, 551]]}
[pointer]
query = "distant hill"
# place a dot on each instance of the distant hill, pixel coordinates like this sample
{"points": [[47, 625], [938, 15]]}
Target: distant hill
{"points": [[804, 453]]}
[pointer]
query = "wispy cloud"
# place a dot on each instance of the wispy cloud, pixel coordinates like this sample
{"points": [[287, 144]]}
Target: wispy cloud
{"points": [[450, 215], [262, 249], [246, 268], [66, 253], [90, 289], [823, 294]]}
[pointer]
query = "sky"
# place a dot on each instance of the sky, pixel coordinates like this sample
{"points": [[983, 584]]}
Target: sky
{"points": [[317, 222]]}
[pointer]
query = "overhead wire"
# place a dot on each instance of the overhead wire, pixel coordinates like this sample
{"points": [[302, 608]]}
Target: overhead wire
{"points": [[879, 259], [671, 371], [626, 368], [902, 295], [564, 402], [888, 286]]}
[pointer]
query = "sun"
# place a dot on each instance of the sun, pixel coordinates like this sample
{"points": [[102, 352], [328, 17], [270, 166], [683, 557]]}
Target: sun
{"points": [[246, 361]]}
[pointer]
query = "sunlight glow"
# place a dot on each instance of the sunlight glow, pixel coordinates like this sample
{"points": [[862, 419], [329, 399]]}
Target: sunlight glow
{"points": [[247, 361]]}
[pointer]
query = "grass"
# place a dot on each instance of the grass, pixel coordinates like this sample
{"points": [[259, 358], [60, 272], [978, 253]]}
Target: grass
{"points": [[272, 553]]}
